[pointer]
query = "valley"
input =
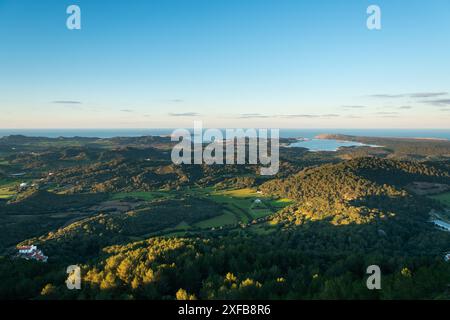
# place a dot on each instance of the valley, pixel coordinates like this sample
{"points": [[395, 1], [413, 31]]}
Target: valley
{"points": [[141, 227]]}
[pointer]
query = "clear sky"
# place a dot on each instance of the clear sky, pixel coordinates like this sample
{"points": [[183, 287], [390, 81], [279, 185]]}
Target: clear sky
{"points": [[230, 63]]}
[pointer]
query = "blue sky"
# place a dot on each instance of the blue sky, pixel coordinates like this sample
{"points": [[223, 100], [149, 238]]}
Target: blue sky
{"points": [[230, 63]]}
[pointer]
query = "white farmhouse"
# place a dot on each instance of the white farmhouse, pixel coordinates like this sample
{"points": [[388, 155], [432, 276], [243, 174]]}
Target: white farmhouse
{"points": [[31, 253], [27, 249], [23, 185], [442, 225]]}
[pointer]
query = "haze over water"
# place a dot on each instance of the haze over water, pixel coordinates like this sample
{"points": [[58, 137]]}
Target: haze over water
{"points": [[284, 133]]}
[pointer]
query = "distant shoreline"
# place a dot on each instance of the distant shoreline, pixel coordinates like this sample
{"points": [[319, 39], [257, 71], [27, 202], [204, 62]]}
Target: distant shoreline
{"points": [[419, 138], [341, 137], [408, 134]]}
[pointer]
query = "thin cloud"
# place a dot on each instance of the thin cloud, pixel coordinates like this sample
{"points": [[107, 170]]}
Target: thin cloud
{"points": [[386, 113], [354, 107], [405, 107], [170, 100], [253, 116], [409, 95], [330, 115], [438, 102], [184, 114], [300, 116], [387, 96], [428, 94], [286, 116], [127, 110], [66, 102]]}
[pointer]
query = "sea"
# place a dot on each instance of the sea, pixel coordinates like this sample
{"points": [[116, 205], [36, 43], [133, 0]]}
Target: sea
{"points": [[307, 134]]}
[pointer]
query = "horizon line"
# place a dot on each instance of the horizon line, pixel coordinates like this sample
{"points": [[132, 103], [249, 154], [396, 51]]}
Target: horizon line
{"points": [[280, 128]]}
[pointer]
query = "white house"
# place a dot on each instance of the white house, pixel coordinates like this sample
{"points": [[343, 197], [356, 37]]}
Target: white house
{"points": [[32, 253], [447, 257], [442, 225], [23, 185], [27, 249]]}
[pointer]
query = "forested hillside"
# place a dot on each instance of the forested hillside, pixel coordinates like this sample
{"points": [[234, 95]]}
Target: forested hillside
{"points": [[142, 228]]}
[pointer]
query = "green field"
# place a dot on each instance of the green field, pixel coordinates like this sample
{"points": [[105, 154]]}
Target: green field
{"points": [[5, 193], [444, 198], [239, 206], [245, 200], [227, 218], [244, 204], [6, 188], [240, 193], [141, 195], [182, 226]]}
